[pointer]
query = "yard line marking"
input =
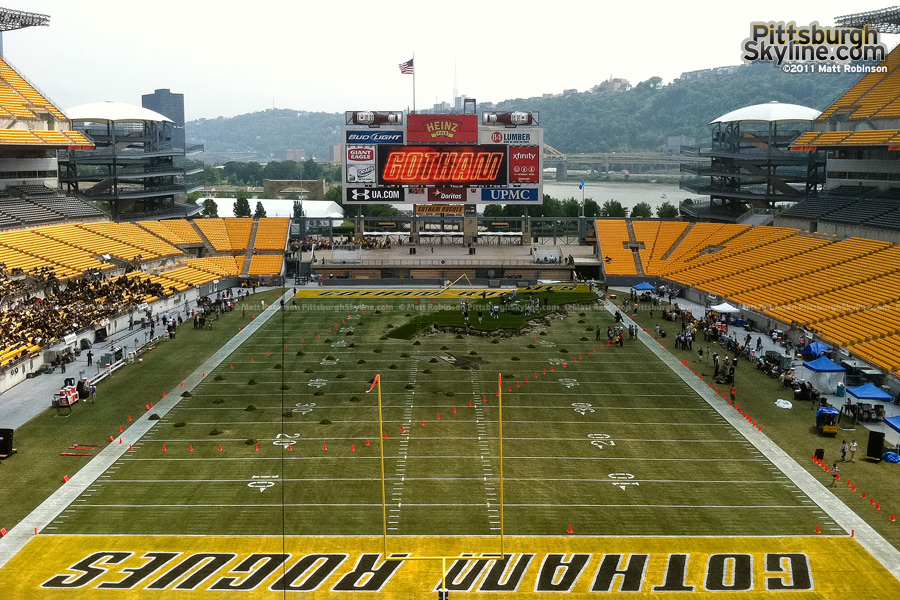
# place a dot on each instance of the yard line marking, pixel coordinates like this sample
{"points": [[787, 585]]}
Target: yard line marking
{"points": [[278, 505]]}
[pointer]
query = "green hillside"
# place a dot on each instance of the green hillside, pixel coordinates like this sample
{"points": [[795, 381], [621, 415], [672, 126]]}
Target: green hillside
{"points": [[639, 119]]}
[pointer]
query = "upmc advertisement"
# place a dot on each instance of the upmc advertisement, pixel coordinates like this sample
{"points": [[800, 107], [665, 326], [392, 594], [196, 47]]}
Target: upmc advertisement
{"points": [[442, 158]]}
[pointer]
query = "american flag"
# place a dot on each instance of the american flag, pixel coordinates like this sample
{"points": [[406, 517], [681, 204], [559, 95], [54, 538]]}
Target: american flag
{"points": [[407, 67]]}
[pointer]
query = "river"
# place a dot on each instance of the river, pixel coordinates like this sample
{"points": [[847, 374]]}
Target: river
{"points": [[628, 194]]}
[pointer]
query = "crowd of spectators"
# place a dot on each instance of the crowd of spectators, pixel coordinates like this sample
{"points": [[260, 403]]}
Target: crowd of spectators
{"points": [[66, 308]]}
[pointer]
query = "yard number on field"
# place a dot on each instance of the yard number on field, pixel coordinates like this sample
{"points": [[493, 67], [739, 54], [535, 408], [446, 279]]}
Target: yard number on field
{"points": [[286, 439], [621, 479], [582, 407], [261, 482], [600, 440]]}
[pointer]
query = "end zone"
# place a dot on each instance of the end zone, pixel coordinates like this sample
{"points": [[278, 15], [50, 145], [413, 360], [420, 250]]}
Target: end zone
{"points": [[535, 567]]}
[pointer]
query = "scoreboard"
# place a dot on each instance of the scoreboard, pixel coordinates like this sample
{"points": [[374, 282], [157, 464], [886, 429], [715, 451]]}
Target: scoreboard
{"points": [[446, 159]]}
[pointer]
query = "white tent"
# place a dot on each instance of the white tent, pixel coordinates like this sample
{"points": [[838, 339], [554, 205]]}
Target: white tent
{"points": [[724, 308], [824, 374]]}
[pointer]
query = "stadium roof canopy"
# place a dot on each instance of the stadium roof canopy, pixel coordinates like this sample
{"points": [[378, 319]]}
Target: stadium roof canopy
{"points": [[770, 112], [115, 112]]}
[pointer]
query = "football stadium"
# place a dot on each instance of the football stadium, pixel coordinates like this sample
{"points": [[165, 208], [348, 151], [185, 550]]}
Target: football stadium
{"points": [[203, 407]]}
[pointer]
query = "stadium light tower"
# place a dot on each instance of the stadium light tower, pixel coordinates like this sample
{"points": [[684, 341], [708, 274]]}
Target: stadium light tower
{"points": [[885, 20], [17, 19]]}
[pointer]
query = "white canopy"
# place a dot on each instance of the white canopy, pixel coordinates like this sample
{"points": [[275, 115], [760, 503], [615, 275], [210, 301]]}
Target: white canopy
{"points": [[116, 112], [769, 112], [724, 308]]}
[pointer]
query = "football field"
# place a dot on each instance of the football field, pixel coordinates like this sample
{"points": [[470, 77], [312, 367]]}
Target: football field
{"points": [[263, 475]]}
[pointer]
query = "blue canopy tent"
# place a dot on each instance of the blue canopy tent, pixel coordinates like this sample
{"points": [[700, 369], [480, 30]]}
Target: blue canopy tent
{"points": [[893, 423], [824, 374], [869, 391], [816, 349], [644, 287]]}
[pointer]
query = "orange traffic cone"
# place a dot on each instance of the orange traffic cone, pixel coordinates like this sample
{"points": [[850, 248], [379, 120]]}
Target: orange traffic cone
{"points": [[232, 365], [352, 448], [66, 478], [470, 404], [439, 417], [191, 448], [864, 496], [892, 517], [423, 422], [878, 506], [484, 399], [848, 483], [402, 429], [129, 418], [164, 447], [120, 429], [570, 528], [454, 410], [182, 384], [290, 448], [517, 384], [220, 447], [324, 446], [256, 447], [130, 448], [385, 436], [853, 489], [111, 438], [367, 441], [120, 440], [818, 529]]}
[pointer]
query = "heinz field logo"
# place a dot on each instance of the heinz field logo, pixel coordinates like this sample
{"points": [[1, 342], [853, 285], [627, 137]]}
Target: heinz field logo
{"points": [[361, 154], [441, 128]]}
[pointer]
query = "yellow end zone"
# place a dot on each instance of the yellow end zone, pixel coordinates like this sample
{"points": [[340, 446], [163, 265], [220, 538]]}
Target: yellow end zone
{"points": [[441, 293], [536, 567]]}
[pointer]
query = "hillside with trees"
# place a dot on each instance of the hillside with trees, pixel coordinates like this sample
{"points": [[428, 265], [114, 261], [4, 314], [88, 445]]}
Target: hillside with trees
{"points": [[639, 119]]}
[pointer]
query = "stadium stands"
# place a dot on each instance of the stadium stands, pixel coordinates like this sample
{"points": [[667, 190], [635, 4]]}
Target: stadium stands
{"points": [[177, 232], [266, 264], [271, 234], [859, 102], [215, 232], [239, 232], [611, 235], [134, 236], [19, 92]]}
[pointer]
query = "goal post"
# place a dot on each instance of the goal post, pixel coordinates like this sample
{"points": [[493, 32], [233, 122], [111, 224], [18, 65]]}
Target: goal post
{"points": [[376, 385]]}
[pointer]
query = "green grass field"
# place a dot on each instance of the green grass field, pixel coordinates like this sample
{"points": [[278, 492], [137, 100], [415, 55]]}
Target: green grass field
{"points": [[666, 463], [281, 440]]}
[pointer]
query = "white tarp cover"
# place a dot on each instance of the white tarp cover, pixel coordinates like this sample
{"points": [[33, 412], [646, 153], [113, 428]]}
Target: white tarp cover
{"points": [[824, 378], [781, 403], [724, 308]]}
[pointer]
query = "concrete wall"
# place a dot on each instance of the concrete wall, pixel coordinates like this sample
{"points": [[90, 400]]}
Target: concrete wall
{"points": [[840, 231]]}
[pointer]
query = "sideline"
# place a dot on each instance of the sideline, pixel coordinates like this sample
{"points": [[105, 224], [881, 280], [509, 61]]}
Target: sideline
{"points": [[868, 538], [50, 508]]}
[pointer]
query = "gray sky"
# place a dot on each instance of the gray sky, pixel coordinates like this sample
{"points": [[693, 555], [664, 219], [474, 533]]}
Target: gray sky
{"points": [[230, 57]]}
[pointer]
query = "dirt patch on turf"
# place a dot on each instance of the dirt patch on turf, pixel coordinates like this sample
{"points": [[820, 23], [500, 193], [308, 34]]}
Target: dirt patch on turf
{"points": [[465, 362]]}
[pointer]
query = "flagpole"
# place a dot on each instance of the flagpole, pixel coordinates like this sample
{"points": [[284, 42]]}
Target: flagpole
{"points": [[414, 81]]}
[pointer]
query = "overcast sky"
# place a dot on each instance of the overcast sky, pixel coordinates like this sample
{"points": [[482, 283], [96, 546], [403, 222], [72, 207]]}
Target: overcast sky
{"points": [[229, 57]]}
